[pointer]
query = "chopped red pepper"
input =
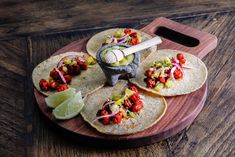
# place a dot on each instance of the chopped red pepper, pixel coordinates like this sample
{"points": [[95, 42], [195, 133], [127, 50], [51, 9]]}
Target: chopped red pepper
{"points": [[137, 106], [44, 85], [83, 65], [62, 87], [133, 34], [134, 98], [133, 88], [117, 118], [68, 78], [180, 56], [178, 74], [54, 85], [162, 79], [149, 72], [127, 103], [150, 82], [54, 74], [127, 31], [182, 61], [104, 120], [134, 41]]}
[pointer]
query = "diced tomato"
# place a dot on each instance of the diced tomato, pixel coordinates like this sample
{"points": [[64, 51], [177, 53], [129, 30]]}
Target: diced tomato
{"points": [[127, 31], [127, 103], [180, 56], [137, 106], [117, 118], [74, 70], [54, 85], [104, 112], [134, 98], [134, 41], [182, 61], [149, 72], [162, 79], [67, 78], [134, 34], [133, 88], [105, 120], [62, 87], [44, 85], [150, 82], [54, 74], [178, 74], [82, 64]]}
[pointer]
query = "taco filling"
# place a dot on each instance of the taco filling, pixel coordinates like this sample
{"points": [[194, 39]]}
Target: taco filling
{"points": [[120, 107], [124, 36], [71, 69], [61, 76], [161, 73], [170, 72]]}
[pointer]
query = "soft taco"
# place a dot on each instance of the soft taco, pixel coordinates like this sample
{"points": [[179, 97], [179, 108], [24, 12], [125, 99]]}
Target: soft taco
{"points": [[170, 73], [118, 35], [122, 109], [72, 69]]}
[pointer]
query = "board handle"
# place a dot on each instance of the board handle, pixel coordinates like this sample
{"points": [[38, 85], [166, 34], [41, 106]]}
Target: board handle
{"points": [[185, 38]]}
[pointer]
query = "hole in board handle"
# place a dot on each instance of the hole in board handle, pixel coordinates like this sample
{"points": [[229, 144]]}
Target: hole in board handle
{"points": [[177, 37]]}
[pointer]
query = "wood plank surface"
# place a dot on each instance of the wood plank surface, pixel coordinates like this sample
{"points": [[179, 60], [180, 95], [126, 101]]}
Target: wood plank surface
{"points": [[12, 79], [24, 131], [20, 17]]}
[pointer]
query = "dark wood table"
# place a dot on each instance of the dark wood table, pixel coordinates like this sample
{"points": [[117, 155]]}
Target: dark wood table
{"points": [[31, 31]]}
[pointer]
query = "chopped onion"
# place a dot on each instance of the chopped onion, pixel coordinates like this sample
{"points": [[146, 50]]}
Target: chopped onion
{"points": [[108, 103], [187, 67], [61, 75], [108, 115], [177, 65], [172, 72], [82, 59], [124, 37], [142, 97], [123, 41]]}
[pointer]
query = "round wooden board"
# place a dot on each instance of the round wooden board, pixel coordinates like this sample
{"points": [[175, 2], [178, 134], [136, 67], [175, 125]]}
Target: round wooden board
{"points": [[181, 111]]}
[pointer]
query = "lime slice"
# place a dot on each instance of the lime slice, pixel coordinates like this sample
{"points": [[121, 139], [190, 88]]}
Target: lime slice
{"points": [[69, 108], [55, 99]]}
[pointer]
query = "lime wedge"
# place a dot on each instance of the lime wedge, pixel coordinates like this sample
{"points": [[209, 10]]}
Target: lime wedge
{"points": [[69, 108], [55, 99]]}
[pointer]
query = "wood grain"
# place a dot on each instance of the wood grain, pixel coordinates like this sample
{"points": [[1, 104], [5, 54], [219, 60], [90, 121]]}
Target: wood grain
{"points": [[19, 18], [211, 134], [12, 123]]}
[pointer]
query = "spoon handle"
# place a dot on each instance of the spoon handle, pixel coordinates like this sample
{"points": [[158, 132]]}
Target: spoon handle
{"points": [[144, 45]]}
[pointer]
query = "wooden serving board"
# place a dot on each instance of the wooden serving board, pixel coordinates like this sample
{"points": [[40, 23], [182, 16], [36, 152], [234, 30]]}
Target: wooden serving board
{"points": [[181, 111]]}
